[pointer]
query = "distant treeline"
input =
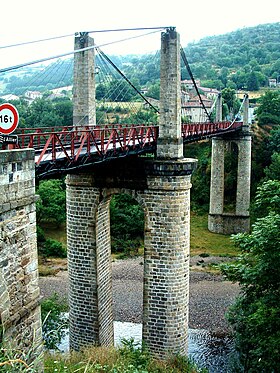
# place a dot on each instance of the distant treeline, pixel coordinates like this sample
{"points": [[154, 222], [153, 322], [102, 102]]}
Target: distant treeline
{"points": [[243, 59]]}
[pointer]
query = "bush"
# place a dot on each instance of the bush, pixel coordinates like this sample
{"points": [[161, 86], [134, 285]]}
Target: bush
{"points": [[52, 248], [51, 207], [40, 235], [127, 224], [16, 358], [54, 321], [130, 357]]}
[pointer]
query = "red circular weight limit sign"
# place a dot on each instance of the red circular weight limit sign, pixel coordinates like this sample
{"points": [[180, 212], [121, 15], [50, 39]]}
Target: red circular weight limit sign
{"points": [[8, 118]]}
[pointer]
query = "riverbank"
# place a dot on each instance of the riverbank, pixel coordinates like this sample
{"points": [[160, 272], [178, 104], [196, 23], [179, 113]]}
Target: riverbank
{"points": [[210, 295]]}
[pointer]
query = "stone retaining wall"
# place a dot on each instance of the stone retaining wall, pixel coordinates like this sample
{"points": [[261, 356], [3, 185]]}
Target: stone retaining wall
{"points": [[19, 291]]}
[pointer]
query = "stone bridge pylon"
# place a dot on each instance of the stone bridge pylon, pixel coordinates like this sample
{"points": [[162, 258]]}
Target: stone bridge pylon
{"points": [[162, 187]]}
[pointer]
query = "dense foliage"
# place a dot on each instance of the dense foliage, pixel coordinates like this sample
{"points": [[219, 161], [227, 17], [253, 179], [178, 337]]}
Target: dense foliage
{"points": [[243, 59], [255, 316], [127, 224], [51, 206]]}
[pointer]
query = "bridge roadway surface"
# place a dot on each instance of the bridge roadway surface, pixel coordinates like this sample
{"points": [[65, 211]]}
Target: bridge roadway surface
{"points": [[210, 295], [60, 149]]}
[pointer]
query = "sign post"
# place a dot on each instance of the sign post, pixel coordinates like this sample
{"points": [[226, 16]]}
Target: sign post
{"points": [[9, 119]]}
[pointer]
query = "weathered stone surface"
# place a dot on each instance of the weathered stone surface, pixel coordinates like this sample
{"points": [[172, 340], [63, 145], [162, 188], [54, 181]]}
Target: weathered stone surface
{"points": [[19, 299], [84, 82], [218, 220], [89, 264], [166, 203]]}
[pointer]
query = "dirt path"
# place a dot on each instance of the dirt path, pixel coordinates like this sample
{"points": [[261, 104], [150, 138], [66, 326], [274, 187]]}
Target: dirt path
{"points": [[210, 295]]}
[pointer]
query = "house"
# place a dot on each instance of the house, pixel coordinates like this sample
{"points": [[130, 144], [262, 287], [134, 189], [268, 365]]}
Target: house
{"points": [[192, 109], [32, 95], [10, 97], [210, 93], [272, 83], [189, 84]]}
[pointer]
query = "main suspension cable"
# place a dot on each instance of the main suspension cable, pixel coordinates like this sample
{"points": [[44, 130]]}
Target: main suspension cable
{"points": [[72, 34], [5, 69], [194, 82], [128, 81]]}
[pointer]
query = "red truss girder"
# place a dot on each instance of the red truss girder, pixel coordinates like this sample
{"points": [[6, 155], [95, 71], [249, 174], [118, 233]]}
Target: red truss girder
{"points": [[72, 142], [52, 144]]}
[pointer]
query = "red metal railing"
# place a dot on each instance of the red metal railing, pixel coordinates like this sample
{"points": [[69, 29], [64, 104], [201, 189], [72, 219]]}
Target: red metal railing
{"points": [[53, 144], [203, 130]]}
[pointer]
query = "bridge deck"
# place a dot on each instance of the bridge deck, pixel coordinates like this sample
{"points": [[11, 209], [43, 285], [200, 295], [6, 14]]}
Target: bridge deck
{"points": [[66, 147]]}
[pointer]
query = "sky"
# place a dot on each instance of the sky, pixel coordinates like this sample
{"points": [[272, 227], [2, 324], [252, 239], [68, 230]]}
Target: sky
{"points": [[32, 20]]}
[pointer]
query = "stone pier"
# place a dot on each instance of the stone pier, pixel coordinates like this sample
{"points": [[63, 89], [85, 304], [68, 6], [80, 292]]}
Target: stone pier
{"points": [[166, 264], [89, 264], [218, 220]]}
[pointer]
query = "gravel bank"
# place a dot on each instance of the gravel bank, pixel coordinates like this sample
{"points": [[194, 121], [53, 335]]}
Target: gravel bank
{"points": [[210, 295]]}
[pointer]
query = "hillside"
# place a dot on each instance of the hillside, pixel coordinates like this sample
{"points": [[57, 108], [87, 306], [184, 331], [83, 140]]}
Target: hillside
{"points": [[243, 59], [238, 58]]}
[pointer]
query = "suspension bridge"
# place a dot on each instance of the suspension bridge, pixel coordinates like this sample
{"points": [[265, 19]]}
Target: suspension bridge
{"points": [[61, 149], [160, 183]]}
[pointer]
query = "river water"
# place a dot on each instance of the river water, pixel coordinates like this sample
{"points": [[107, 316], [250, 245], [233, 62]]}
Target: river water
{"points": [[207, 350]]}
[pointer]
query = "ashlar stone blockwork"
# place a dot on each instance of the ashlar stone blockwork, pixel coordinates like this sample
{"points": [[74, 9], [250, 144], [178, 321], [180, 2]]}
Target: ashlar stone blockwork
{"points": [[166, 265], [218, 220], [89, 264], [19, 290], [166, 203]]}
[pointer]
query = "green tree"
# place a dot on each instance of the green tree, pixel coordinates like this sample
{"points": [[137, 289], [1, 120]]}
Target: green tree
{"points": [[274, 140], [267, 199], [273, 170], [51, 207], [231, 103], [268, 111], [201, 176], [153, 91], [127, 222], [255, 316], [54, 321], [253, 82], [63, 107]]}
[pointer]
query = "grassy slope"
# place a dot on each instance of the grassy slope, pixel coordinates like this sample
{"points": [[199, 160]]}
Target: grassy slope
{"points": [[202, 241]]}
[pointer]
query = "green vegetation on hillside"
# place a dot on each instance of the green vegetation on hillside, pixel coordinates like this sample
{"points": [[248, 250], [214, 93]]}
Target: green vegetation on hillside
{"points": [[243, 59]]}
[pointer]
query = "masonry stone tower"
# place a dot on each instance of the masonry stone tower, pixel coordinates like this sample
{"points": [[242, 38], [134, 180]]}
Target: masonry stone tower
{"points": [[218, 220], [84, 81], [162, 187], [166, 265], [20, 318]]}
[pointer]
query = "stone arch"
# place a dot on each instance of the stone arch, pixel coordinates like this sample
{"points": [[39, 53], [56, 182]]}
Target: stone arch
{"points": [[135, 194], [238, 220]]}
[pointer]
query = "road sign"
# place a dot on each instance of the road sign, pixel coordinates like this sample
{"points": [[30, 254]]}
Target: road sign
{"points": [[8, 139], [8, 118]]}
